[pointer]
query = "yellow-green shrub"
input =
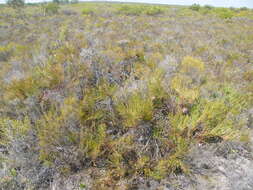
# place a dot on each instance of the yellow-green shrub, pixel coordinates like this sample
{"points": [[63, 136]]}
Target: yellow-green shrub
{"points": [[174, 161], [209, 118], [191, 66], [155, 86], [47, 76], [91, 140], [76, 123], [195, 7], [11, 130], [54, 128], [137, 108], [207, 121], [188, 80], [140, 9], [93, 95], [50, 8], [22, 88], [5, 52], [88, 11]]}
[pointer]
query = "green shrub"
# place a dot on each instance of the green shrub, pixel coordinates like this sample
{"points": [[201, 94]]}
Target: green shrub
{"points": [[155, 87], [11, 130], [130, 10], [137, 108], [173, 162], [56, 1], [16, 3], [92, 141], [224, 13], [48, 76], [76, 123], [195, 7], [140, 9], [188, 80], [154, 10], [208, 121], [209, 7], [89, 10], [5, 52], [51, 8], [212, 118], [74, 1], [54, 129], [245, 13], [244, 9]]}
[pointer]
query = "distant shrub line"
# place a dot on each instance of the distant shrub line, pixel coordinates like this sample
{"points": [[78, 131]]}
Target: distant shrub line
{"points": [[140, 9], [224, 13]]}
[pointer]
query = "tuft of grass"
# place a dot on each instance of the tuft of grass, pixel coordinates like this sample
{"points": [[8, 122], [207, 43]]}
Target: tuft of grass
{"points": [[135, 109]]}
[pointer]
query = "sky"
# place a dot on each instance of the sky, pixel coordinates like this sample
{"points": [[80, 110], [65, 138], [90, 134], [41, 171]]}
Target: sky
{"points": [[218, 3]]}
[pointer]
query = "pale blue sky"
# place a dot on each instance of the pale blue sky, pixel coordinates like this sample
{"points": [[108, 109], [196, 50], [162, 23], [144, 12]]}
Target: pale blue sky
{"points": [[222, 3]]}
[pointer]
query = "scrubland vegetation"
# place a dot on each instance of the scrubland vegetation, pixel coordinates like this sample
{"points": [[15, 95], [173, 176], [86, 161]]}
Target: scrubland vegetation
{"points": [[121, 93]]}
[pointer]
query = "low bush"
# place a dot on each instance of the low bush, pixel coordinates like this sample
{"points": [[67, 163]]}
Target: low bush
{"points": [[11, 130], [50, 8], [195, 7], [16, 4], [88, 11], [130, 10], [244, 9], [224, 13], [208, 122], [137, 108], [140, 9], [188, 80], [154, 10], [48, 76], [5, 52], [209, 7], [77, 127]]}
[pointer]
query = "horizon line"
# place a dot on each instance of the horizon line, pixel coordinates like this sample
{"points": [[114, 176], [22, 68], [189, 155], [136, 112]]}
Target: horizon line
{"points": [[133, 1]]}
